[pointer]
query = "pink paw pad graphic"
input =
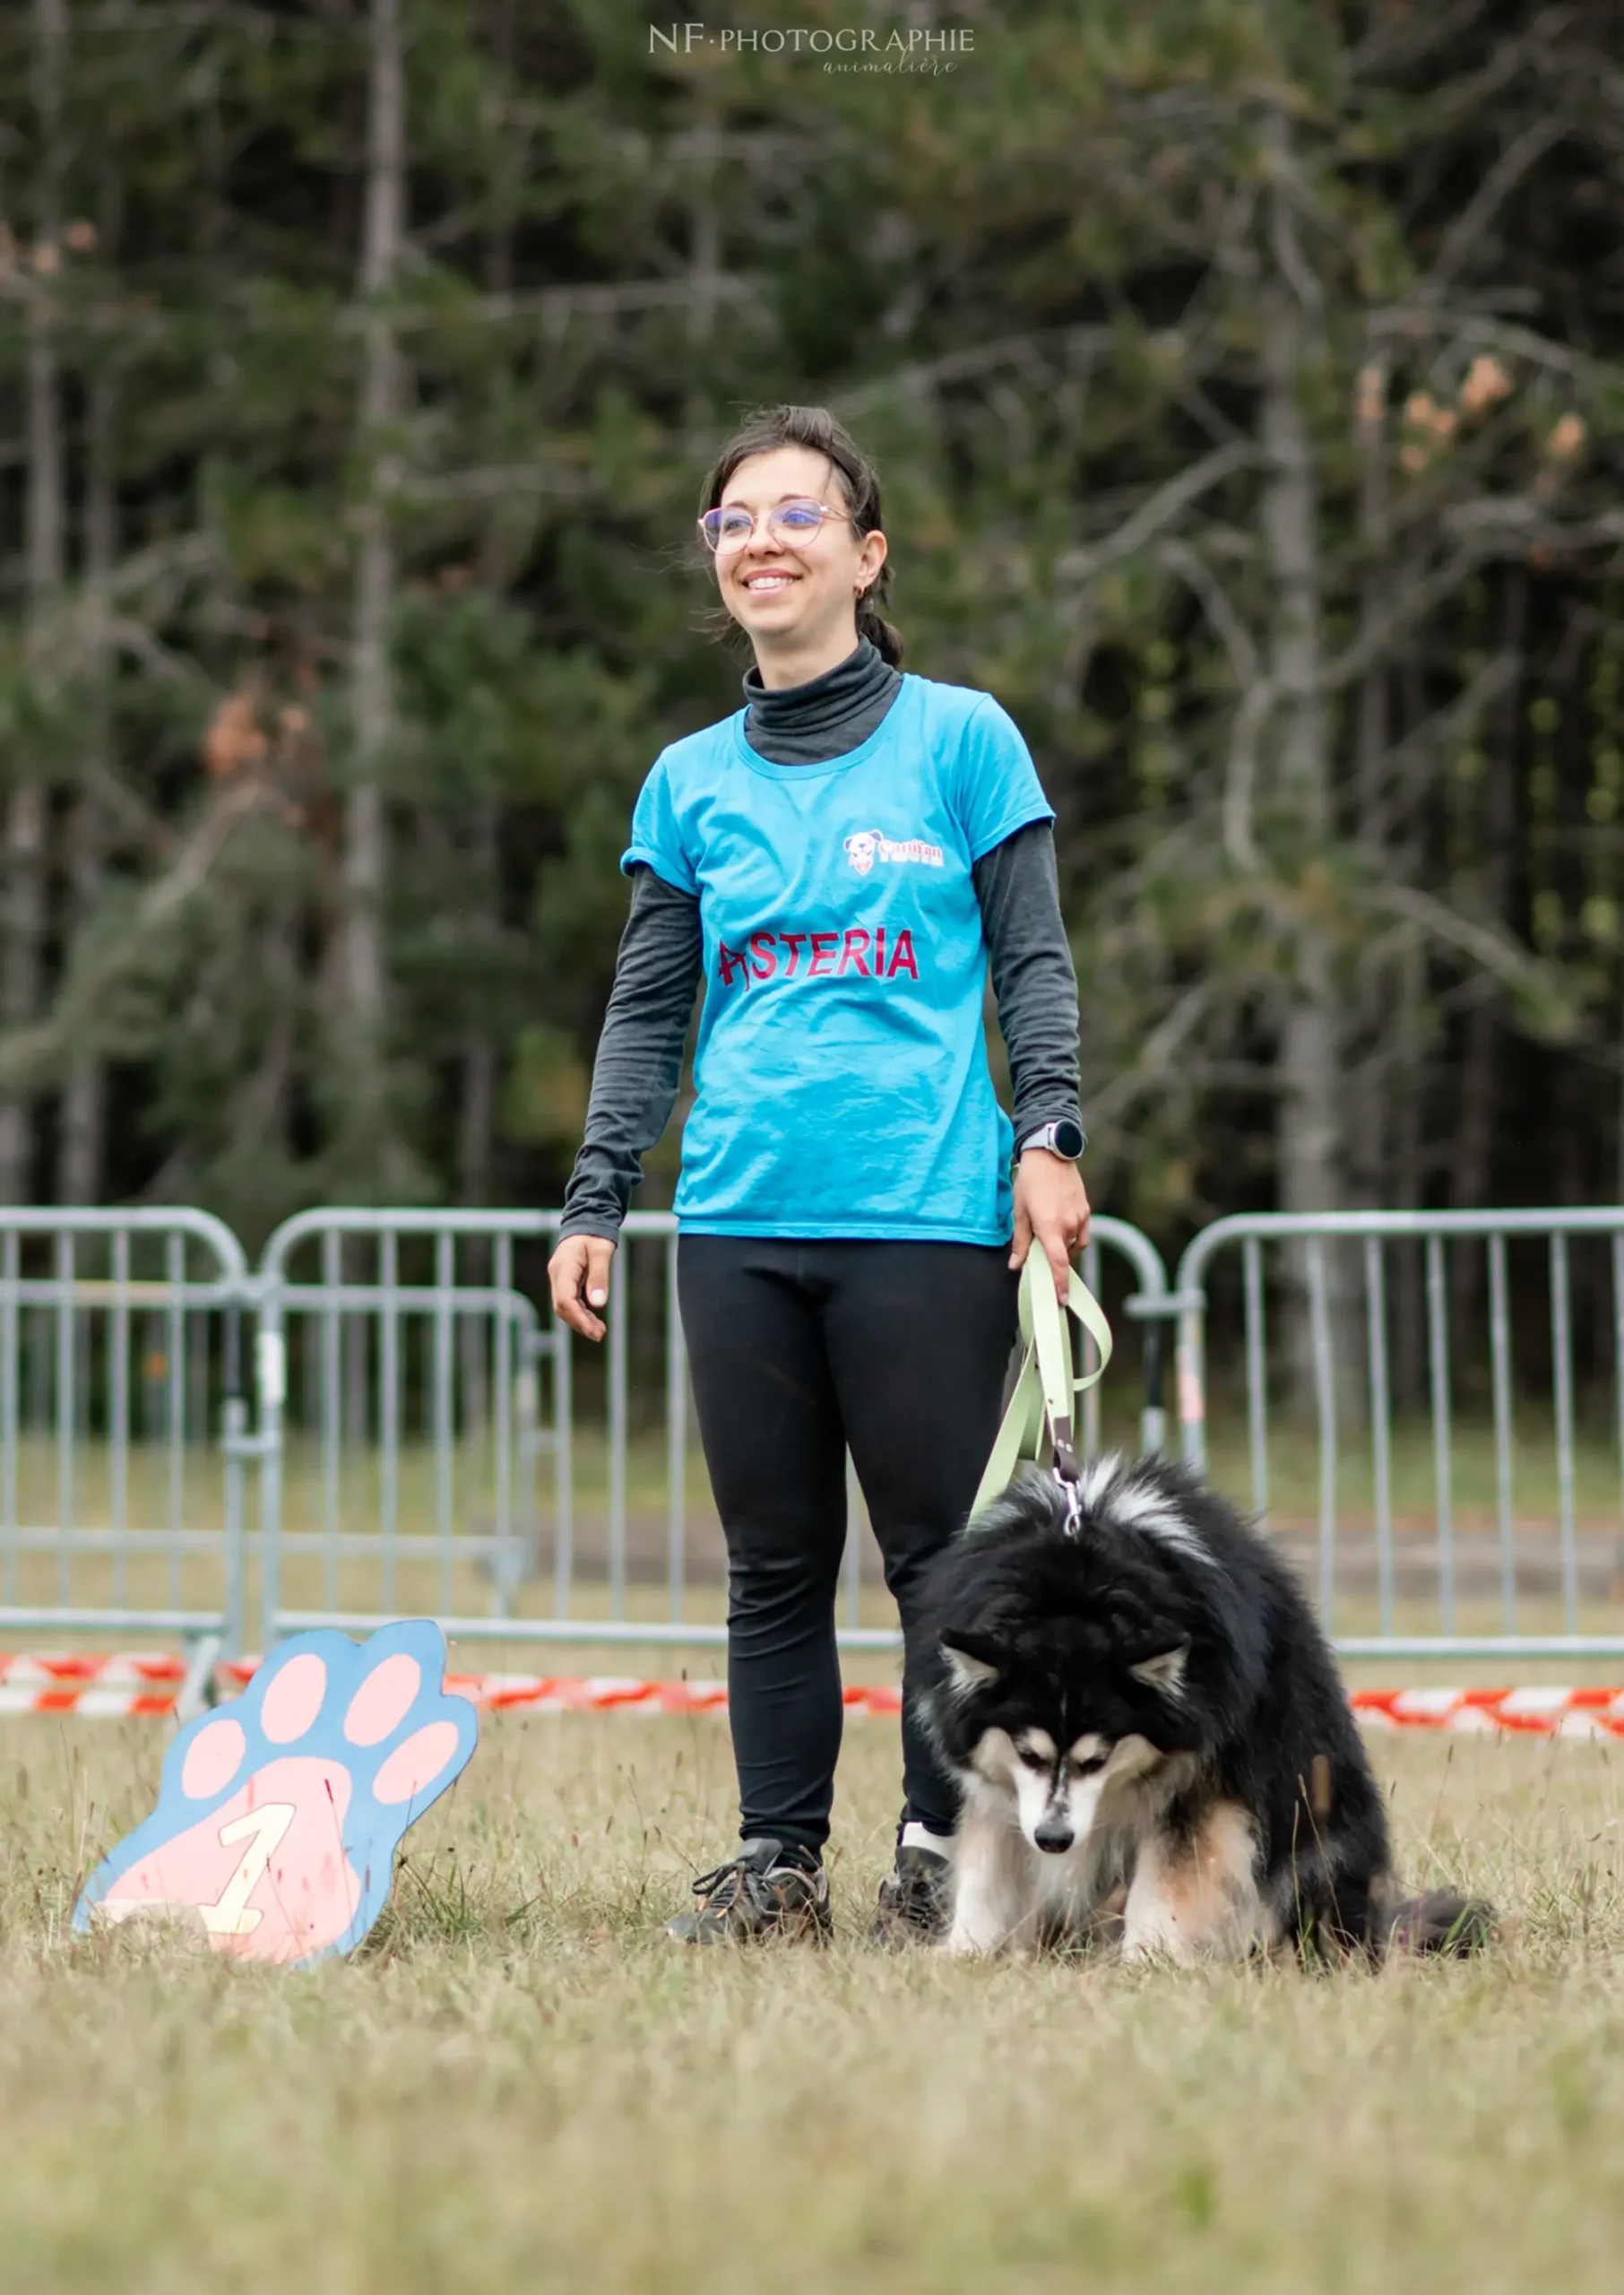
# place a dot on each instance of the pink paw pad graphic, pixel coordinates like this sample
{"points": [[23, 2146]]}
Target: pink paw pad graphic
{"points": [[277, 1817]]}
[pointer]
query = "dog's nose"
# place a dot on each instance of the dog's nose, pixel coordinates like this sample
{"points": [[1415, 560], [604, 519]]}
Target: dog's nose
{"points": [[1054, 1839]]}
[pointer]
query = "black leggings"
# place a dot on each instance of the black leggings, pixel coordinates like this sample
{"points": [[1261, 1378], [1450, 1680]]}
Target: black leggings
{"points": [[800, 1350]]}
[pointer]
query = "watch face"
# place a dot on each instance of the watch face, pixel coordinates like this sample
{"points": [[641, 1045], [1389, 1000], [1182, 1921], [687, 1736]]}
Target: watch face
{"points": [[1068, 1137]]}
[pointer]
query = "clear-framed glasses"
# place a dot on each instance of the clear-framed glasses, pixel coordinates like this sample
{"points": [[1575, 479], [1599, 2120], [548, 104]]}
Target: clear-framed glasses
{"points": [[789, 523]]}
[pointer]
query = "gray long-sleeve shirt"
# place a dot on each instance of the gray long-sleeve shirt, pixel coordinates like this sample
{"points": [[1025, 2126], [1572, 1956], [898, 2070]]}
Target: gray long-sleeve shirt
{"points": [[639, 1058]]}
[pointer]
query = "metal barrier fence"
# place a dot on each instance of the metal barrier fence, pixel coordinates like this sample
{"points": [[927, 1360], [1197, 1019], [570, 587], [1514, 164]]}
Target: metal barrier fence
{"points": [[398, 1417], [120, 1341], [427, 1441], [1433, 1525], [430, 1393]]}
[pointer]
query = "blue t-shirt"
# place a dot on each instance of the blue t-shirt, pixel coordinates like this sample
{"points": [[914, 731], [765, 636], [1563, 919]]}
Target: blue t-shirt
{"points": [[840, 1073]]}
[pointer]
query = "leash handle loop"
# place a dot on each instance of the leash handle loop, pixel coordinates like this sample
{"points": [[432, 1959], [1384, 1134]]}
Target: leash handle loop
{"points": [[1047, 1382]]}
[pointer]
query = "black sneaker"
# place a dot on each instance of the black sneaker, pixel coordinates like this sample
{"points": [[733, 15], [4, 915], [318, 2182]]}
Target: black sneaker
{"points": [[759, 1893], [915, 1900]]}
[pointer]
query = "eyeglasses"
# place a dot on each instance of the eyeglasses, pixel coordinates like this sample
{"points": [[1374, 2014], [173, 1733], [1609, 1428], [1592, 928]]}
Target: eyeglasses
{"points": [[791, 524]]}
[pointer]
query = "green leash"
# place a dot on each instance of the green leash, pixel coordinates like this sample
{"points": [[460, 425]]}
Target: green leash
{"points": [[1047, 1385]]}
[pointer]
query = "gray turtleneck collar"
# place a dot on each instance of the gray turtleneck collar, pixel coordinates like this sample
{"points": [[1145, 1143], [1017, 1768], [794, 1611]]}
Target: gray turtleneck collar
{"points": [[829, 715]]}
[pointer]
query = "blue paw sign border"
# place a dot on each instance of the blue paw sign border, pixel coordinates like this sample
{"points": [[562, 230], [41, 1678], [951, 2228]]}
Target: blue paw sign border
{"points": [[278, 1814]]}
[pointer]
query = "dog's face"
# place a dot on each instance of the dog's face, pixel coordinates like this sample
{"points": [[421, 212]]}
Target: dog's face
{"points": [[1079, 1669], [1060, 1727]]}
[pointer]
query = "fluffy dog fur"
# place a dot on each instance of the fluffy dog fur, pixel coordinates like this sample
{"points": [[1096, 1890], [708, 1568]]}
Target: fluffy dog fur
{"points": [[1152, 1738]]}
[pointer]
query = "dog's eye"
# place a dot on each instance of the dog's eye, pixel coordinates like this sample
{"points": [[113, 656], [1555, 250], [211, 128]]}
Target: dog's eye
{"points": [[1093, 1763], [1031, 1758]]}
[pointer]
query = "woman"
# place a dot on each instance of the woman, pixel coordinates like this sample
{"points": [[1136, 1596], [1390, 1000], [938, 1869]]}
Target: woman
{"points": [[839, 859]]}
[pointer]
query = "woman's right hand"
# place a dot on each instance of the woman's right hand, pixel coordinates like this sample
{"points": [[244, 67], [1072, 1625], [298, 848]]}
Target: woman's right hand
{"points": [[579, 1273]]}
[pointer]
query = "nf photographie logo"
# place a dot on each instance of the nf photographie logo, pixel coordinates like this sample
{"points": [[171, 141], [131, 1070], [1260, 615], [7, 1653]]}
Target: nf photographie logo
{"points": [[903, 48]]}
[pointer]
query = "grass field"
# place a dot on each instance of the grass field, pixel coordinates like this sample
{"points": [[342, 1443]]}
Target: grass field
{"points": [[520, 2084]]}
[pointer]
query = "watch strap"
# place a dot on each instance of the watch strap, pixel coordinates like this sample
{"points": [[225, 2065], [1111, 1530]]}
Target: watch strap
{"points": [[1043, 1136]]}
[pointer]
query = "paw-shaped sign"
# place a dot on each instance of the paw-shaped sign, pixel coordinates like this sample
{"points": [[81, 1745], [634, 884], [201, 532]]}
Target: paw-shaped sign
{"points": [[278, 1817]]}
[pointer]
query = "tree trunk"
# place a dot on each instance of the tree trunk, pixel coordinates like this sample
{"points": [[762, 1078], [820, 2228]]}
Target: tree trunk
{"points": [[476, 1123], [1307, 1133], [84, 1096], [1473, 1160], [476, 1120], [705, 254], [1365, 1172], [1406, 1296], [24, 920], [1406, 1104], [365, 846], [1475, 1140], [1309, 1174]]}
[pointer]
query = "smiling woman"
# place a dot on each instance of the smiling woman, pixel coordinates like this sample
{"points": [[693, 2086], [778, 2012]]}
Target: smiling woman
{"points": [[801, 574], [840, 861]]}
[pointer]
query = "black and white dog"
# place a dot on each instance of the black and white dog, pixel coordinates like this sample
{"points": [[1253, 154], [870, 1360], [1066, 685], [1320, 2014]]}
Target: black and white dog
{"points": [[1151, 1736]]}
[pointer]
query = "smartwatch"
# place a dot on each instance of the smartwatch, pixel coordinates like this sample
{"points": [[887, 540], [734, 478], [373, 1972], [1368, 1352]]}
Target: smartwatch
{"points": [[1064, 1137]]}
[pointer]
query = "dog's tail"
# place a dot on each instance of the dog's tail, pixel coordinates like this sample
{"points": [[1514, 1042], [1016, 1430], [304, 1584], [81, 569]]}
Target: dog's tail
{"points": [[1437, 1921]]}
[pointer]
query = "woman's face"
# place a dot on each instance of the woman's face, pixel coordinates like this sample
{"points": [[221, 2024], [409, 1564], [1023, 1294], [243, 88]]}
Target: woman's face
{"points": [[800, 595]]}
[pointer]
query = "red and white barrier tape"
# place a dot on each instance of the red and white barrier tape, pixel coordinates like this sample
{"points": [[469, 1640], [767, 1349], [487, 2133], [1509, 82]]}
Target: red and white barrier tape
{"points": [[106, 1688], [111, 1687], [546, 1693], [114, 1687], [1539, 1712]]}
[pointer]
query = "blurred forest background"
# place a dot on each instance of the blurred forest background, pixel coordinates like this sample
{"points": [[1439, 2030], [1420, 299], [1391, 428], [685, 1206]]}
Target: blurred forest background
{"points": [[1247, 380]]}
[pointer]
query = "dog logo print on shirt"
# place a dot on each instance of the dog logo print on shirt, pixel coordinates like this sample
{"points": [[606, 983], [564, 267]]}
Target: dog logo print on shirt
{"points": [[865, 847]]}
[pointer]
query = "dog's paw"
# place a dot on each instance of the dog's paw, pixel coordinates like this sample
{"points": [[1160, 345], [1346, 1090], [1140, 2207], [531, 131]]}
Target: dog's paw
{"points": [[964, 1942], [277, 1817]]}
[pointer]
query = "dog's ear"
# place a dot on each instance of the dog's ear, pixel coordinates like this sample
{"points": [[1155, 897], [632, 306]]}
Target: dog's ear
{"points": [[974, 1659], [1165, 1672]]}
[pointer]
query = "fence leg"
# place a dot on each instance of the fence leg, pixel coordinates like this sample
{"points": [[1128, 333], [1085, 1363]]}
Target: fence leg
{"points": [[271, 1372], [1153, 1416], [198, 1689], [236, 1440], [527, 1412], [1192, 1392]]}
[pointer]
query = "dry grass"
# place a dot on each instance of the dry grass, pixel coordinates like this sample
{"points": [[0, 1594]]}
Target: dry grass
{"points": [[520, 2085]]}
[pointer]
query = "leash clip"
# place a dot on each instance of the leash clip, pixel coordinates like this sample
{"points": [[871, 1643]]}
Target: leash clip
{"points": [[1068, 1475]]}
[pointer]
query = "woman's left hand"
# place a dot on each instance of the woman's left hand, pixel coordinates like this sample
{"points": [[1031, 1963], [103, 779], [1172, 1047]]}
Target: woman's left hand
{"points": [[1052, 1204]]}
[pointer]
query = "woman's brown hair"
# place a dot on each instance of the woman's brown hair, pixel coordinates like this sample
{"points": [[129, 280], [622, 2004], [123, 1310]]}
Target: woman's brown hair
{"points": [[815, 428]]}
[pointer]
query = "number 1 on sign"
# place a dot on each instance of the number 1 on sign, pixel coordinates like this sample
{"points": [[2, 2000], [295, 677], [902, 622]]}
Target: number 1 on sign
{"points": [[232, 1915]]}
